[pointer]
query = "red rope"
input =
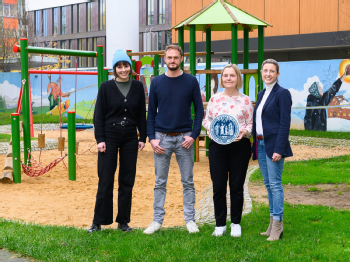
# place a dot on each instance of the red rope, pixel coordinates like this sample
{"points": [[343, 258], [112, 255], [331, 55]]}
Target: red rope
{"points": [[42, 58], [34, 169], [60, 80]]}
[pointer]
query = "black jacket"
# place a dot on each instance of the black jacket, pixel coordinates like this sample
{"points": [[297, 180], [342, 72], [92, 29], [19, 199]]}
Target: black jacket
{"points": [[316, 119], [112, 107]]}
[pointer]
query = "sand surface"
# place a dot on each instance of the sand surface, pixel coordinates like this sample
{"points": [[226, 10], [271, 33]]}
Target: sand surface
{"points": [[53, 199]]}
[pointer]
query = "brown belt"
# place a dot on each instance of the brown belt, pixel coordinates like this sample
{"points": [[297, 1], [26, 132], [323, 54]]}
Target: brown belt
{"points": [[259, 137], [171, 133]]}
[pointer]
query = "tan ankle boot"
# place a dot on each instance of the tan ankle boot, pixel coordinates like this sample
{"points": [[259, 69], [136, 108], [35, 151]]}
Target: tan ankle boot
{"points": [[276, 231], [267, 233]]}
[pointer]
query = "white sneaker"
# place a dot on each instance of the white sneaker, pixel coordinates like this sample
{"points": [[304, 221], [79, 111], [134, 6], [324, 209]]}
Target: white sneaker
{"points": [[153, 227], [236, 230], [219, 231], [192, 227]]}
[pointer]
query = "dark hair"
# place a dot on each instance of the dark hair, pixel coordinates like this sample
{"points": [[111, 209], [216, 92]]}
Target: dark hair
{"points": [[121, 63]]}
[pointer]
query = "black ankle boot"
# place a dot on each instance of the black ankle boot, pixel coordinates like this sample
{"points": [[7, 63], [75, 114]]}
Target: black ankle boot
{"points": [[124, 227], [94, 228]]}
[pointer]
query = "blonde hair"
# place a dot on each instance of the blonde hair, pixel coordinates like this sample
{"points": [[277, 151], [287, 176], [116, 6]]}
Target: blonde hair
{"points": [[238, 73], [271, 61], [174, 47]]}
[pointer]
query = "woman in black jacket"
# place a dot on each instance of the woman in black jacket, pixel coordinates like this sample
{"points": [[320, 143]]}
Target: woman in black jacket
{"points": [[120, 110]]}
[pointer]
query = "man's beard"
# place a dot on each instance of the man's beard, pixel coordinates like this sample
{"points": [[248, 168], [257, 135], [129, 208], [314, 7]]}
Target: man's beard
{"points": [[173, 68]]}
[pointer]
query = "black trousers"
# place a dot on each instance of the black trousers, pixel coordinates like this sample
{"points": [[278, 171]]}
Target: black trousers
{"points": [[123, 139], [228, 162]]}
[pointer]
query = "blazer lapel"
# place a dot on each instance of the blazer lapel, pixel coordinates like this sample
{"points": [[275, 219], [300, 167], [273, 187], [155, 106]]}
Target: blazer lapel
{"points": [[272, 94], [259, 98]]}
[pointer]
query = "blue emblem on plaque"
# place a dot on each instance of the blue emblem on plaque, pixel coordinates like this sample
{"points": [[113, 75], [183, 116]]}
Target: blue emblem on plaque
{"points": [[224, 129]]}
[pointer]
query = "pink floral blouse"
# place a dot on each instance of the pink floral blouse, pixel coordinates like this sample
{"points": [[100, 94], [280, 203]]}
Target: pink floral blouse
{"points": [[239, 107]]}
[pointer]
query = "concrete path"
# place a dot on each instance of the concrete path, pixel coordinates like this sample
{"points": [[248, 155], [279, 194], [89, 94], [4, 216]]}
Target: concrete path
{"points": [[6, 256]]}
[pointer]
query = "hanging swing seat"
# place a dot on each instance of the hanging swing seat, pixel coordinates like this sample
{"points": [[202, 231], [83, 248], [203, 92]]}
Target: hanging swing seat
{"points": [[78, 127]]}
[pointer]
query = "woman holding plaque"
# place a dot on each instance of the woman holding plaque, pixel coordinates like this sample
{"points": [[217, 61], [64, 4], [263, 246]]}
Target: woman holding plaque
{"points": [[272, 116], [229, 161]]}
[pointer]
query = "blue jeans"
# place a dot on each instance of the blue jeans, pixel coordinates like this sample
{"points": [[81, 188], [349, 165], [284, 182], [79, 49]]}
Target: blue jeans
{"points": [[185, 160], [272, 177]]}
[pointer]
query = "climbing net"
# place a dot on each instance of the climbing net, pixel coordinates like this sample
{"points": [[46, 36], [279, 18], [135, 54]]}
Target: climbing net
{"points": [[33, 168]]}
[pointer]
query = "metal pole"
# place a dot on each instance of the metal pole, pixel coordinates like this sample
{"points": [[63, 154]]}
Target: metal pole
{"points": [[25, 99], [245, 56], [156, 65], [72, 158], [54, 51], [193, 67], [234, 44], [16, 148], [208, 77], [181, 43], [105, 74], [260, 57], [100, 64]]}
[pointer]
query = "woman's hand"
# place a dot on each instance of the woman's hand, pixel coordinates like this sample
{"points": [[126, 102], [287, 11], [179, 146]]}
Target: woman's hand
{"points": [[141, 145], [276, 157], [241, 134], [101, 147]]}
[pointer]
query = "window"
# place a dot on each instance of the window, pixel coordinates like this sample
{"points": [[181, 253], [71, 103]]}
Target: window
{"points": [[63, 20], [89, 49], [37, 23], [44, 23], [159, 40], [168, 37], [95, 39], [55, 21], [161, 11], [150, 12], [74, 9], [80, 47], [64, 58], [102, 6], [6, 10], [78, 18], [89, 16]]}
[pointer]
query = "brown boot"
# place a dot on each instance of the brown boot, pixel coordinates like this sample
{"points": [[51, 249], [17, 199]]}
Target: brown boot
{"points": [[276, 231], [267, 233]]}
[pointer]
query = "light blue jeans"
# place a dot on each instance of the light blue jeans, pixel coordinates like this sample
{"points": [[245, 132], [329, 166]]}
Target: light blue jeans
{"points": [[272, 177], [184, 157]]}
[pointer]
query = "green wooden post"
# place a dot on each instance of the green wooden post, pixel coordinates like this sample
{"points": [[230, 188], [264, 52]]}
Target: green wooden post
{"points": [[234, 44], [105, 74], [193, 67], [156, 65], [208, 77], [25, 99], [181, 43], [245, 56], [100, 65], [16, 148], [72, 157], [260, 56], [133, 64]]}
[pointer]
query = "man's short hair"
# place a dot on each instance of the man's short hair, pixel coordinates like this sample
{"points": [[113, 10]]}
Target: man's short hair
{"points": [[173, 47]]}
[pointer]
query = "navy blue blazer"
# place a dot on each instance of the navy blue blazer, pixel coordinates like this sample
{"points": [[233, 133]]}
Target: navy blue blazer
{"points": [[275, 117]]}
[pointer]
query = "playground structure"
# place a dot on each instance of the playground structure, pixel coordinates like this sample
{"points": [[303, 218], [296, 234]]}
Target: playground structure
{"points": [[36, 169]]}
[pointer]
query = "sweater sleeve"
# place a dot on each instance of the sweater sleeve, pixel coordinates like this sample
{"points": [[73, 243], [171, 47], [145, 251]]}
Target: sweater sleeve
{"points": [[152, 112], [198, 109], [142, 126], [99, 114], [208, 115]]}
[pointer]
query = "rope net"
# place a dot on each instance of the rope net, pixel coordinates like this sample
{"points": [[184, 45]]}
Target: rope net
{"points": [[37, 169]]}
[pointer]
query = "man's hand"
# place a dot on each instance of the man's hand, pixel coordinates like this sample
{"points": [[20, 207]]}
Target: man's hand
{"points": [[156, 147], [141, 145], [101, 147], [188, 142], [276, 157]]}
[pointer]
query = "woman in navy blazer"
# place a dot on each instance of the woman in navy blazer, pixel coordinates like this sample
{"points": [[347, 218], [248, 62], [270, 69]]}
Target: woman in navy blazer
{"points": [[271, 124]]}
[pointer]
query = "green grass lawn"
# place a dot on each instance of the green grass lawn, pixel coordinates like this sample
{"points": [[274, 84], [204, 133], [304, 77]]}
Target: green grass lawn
{"points": [[5, 119], [307, 133], [7, 138], [333, 170], [311, 233]]}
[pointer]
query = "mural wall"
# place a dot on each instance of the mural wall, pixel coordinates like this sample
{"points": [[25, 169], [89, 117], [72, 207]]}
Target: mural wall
{"points": [[311, 84]]}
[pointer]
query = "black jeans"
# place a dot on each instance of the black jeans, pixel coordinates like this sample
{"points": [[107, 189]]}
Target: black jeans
{"points": [[228, 162], [122, 139]]}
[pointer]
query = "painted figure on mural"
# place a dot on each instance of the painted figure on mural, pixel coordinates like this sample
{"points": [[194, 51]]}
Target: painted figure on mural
{"points": [[55, 93], [316, 119], [214, 85]]}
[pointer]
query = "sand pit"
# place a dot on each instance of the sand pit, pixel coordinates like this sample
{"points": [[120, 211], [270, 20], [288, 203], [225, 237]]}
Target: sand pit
{"points": [[53, 199]]}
